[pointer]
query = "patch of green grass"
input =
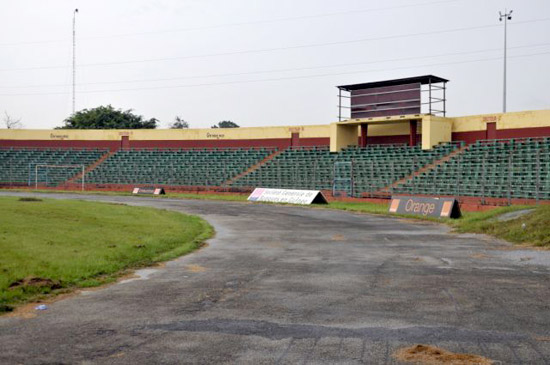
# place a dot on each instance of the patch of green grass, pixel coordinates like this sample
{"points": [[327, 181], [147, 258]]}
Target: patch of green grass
{"points": [[227, 197], [55, 245], [536, 231], [365, 207], [207, 196], [531, 229]]}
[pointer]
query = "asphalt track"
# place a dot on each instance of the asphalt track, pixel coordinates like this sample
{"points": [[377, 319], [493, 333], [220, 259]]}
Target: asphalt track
{"points": [[286, 285]]}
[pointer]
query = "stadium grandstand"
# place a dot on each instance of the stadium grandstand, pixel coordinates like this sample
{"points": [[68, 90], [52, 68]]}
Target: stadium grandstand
{"points": [[392, 137]]}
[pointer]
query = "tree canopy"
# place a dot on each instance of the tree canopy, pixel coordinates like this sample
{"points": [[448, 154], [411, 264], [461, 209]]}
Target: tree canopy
{"points": [[107, 117], [179, 123], [226, 124]]}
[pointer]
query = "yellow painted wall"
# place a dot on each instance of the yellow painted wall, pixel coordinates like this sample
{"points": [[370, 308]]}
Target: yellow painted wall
{"points": [[435, 130], [313, 131], [396, 129], [342, 136], [526, 119]]}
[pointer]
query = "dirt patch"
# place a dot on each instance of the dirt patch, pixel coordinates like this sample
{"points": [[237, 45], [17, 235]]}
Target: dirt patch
{"points": [[338, 237], [36, 282], [480, 256], [196, 268], [424, 354], [520, 247], [27, 311], [29, 199], [542, 338]]}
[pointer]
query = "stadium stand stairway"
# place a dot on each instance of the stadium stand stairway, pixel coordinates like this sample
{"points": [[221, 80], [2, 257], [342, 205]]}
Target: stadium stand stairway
{"points": [[510, 168], [389, 189], [184, 167], [358, 171], [78, 176], [253, 167], [18, 166]]}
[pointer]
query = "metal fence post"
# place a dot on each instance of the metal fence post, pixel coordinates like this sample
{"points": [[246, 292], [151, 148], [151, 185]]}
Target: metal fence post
{"points": [[434, 183], [334, 179], [483, 178], [314, 174], [537, 181], [371, 175], [352, 177], [510, 175], [392, 167], [459, 173], [412, 174]]}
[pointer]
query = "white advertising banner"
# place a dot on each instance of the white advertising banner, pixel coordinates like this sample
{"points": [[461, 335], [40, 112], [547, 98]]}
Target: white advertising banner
{"points": [[287, 196]]}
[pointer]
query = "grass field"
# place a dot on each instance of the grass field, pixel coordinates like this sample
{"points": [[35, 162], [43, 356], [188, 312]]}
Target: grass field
{"points": [[54, 245], [536, 231], [532, 229]]}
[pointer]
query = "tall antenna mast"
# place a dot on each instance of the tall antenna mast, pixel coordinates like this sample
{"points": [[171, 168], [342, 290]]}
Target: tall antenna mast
{"points": [[506, 16], [74, 58]]}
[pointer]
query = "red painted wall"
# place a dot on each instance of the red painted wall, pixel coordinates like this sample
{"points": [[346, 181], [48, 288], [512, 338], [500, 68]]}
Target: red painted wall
{"points": [[473, 136], [390, 139], [468, 137], [315, 141], [221, 143], [523, 132]]}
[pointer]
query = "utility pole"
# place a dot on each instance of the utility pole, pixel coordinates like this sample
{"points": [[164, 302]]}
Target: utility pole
{"points": [[74, 58], [506, 16]]}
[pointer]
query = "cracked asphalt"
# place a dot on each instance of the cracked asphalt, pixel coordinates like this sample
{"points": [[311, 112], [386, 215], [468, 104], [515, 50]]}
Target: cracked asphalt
{"points": [[286, 285]]}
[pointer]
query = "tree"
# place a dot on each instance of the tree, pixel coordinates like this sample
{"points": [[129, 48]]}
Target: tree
{"points": [[107, 117], [226, 124], [179, 123], [11, 123]]}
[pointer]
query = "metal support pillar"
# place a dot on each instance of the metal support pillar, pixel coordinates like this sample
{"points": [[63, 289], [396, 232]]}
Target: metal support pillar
{"points": [[339, 105], [430, 96], [444, 99]]}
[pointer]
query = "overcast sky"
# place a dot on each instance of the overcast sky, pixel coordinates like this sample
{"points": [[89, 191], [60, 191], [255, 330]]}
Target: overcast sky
{"points": [[260, 62]]}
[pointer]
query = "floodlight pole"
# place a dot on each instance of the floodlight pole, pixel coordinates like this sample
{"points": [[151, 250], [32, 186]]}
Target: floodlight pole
{"points": [[506, 16], [74, 58]]}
